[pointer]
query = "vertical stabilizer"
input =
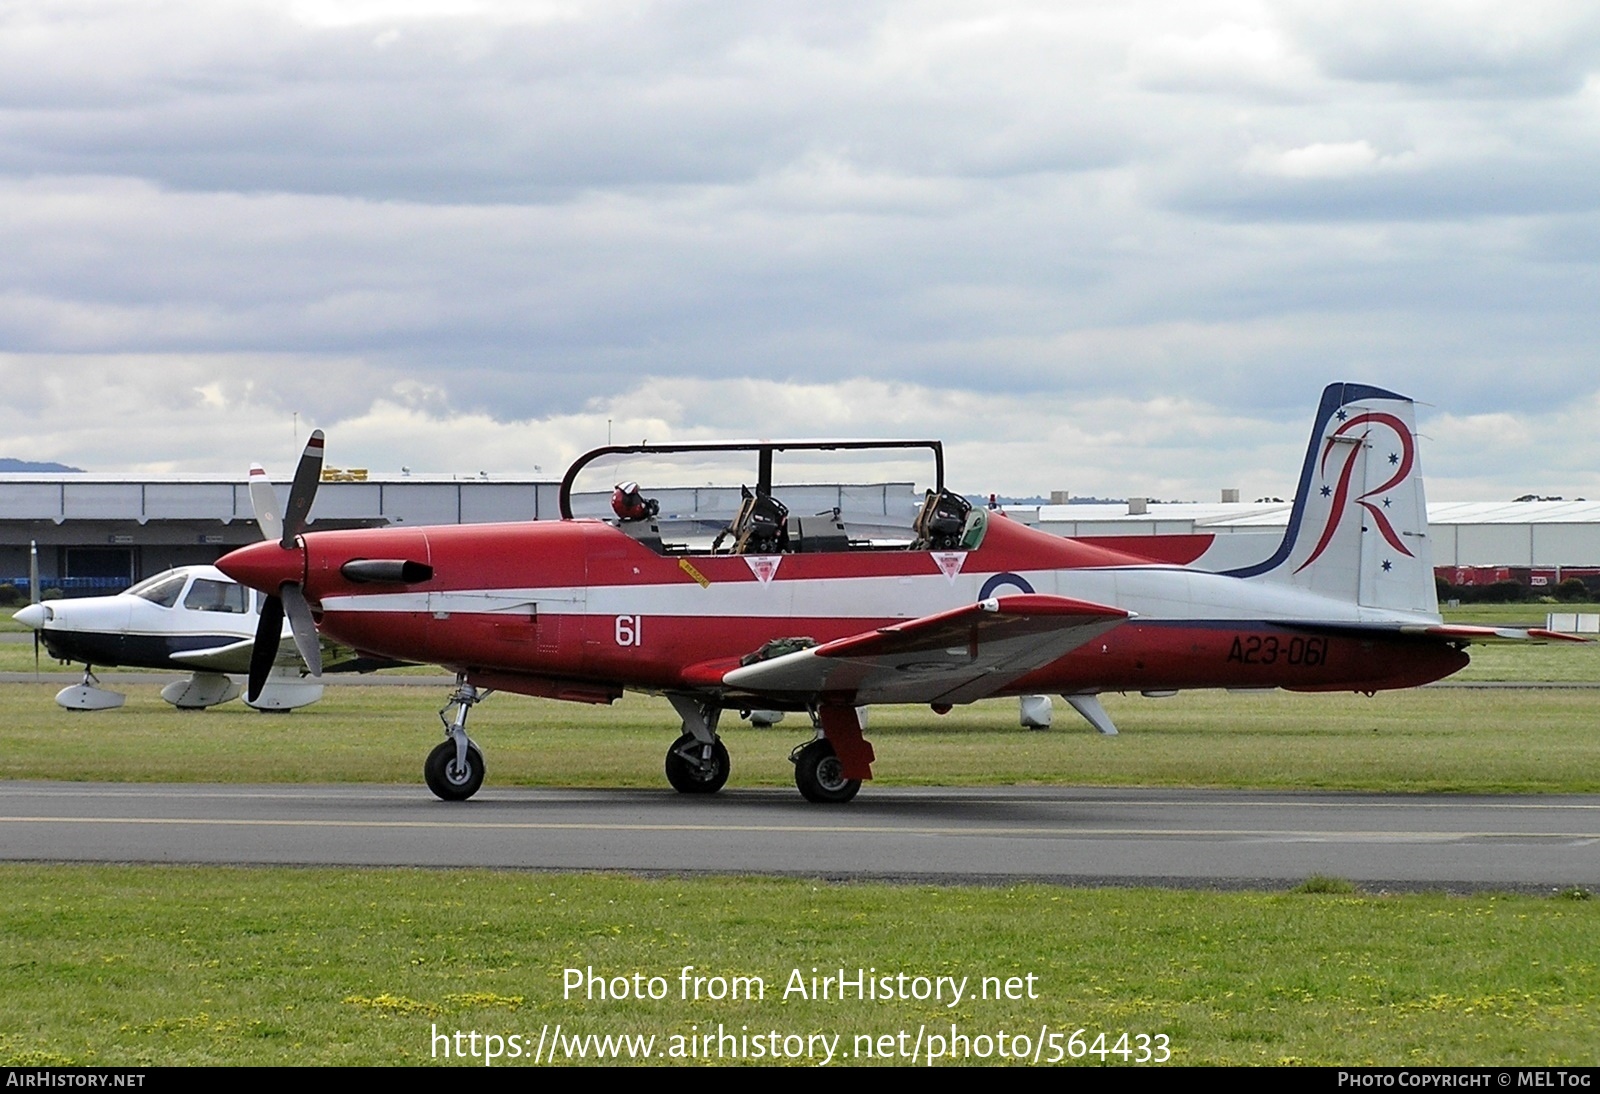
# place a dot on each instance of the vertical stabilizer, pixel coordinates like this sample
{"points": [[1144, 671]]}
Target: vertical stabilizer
{"points": [[1359, 527]]}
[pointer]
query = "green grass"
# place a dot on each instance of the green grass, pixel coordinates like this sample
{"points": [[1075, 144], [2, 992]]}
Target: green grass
{"points": [[1533, 662], [149, 966], [1429, 739], [1513, 615]]}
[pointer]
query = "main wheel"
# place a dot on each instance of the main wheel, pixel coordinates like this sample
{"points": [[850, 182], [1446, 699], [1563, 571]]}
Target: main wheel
{"points": [[446, 780], [689, 777], [820, 776]]}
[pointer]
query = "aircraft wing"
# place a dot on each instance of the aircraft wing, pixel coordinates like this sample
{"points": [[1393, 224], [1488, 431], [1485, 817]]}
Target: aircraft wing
{"points": [[952, 657], [232, 657], [235, 657]]}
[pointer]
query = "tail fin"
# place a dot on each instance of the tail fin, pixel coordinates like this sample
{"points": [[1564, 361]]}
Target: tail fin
{"points": [[1359, 528]]}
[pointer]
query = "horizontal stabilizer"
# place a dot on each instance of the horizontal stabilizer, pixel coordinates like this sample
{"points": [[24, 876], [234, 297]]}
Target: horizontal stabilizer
{"points": [[1470, 633], [956, 656], [1461, 632]]}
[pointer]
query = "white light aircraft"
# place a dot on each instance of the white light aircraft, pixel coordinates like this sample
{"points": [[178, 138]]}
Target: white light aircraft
{"points": [[192, 618]]}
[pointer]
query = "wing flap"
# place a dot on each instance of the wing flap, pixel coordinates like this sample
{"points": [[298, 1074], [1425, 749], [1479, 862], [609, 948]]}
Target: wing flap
{"points": [[951, 657]]}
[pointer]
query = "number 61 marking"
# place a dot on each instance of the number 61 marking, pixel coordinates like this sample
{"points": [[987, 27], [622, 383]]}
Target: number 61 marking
{"points": [[629, 630]]}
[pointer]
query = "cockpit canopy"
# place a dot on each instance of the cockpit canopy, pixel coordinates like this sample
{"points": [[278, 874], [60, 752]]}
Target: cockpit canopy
{"points": [[774, 497], [200, 589]]}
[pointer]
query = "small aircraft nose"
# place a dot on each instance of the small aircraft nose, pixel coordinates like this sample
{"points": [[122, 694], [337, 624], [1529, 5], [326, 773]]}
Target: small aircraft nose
{"points": [[34, 616], [265, 566]]}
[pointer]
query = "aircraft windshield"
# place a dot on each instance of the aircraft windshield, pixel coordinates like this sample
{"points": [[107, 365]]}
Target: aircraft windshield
{"points": [[163, 589]]}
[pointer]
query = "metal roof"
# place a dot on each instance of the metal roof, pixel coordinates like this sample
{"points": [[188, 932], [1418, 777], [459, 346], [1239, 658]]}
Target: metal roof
{"points": [[1221, 516]]}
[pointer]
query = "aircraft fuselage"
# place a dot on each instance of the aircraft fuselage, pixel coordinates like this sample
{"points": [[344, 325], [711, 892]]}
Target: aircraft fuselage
{"points": [[579, 609]]}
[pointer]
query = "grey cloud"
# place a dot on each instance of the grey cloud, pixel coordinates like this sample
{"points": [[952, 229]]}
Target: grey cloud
{"points": [[1488, 49], [454, 111], [989, 200]]}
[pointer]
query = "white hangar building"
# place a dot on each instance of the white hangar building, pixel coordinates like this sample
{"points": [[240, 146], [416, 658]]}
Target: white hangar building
{"points": [[98, 533], [1533, 535], [106, 531]]}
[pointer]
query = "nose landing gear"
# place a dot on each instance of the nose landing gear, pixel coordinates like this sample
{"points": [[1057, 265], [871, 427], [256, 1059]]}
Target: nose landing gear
{"points": [[454, 770], [697, 762]]}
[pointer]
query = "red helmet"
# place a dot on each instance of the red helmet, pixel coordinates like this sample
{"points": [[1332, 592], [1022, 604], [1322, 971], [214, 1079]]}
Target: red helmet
{"points": [[628, 503]]}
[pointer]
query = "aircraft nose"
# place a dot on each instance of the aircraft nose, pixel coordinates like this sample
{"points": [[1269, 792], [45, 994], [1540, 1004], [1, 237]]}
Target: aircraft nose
{"points": [[265, 566], [34, 616]]}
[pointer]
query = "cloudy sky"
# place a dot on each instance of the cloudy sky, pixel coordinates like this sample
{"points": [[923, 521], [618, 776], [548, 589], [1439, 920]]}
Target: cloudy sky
{"points": [[1110, 247]]}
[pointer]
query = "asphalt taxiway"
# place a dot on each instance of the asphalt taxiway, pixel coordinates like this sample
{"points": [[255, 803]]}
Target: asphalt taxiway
{"points": [[1174, 837]]}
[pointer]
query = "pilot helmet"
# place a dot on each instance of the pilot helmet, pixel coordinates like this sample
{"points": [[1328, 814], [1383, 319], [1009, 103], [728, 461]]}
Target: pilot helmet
{"points": [[628, 503]]}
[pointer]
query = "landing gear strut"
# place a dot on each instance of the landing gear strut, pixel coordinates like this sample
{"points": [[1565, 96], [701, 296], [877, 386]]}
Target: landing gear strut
{"points": [[697, 762], [454, 770]]}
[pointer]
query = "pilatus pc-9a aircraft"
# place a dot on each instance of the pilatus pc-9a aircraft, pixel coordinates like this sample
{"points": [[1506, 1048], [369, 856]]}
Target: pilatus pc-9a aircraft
{"points": [[802, 613]]}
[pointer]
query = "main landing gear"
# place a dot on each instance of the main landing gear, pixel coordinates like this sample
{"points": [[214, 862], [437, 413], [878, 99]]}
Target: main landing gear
{"points": [[819, 775], [454, 770], [829, 768], [697, 762]]}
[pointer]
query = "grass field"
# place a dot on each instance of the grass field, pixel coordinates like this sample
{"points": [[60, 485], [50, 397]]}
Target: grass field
{"points": [[1429, 739], [141, 965]]}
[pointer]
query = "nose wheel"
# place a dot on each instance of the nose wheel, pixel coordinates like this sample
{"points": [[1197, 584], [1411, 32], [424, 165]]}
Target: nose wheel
{"points": [[450, 780], [697, 762], [454, 769]]}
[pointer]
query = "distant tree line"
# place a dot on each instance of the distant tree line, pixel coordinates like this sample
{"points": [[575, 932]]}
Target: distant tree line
{"points": [[1572, 590]]}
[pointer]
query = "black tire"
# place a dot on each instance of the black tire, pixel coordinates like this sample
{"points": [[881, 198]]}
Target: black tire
{"points": [[692, 778], [817, 772], [446, 782]]}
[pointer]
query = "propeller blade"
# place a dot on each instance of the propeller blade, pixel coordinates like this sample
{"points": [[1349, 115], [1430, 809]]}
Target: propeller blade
{"points": [[268, 631], [304, 490], [264, 500], [302, 626]]}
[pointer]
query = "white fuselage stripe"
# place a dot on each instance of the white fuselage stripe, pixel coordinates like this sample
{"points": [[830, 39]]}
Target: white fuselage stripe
{"points": [[1153, 593]]}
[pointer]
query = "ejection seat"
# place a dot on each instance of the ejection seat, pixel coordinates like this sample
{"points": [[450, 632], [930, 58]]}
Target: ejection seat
{"points": [[761, 528], [942, 523]]}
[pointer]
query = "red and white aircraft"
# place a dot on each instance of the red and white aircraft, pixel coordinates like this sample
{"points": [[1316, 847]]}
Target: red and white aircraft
{"points": [[802, 616]]}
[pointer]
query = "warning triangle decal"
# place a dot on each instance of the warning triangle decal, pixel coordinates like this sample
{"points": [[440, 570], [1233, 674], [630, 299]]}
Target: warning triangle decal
{"points": [[763, 566], [950, 563]]}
